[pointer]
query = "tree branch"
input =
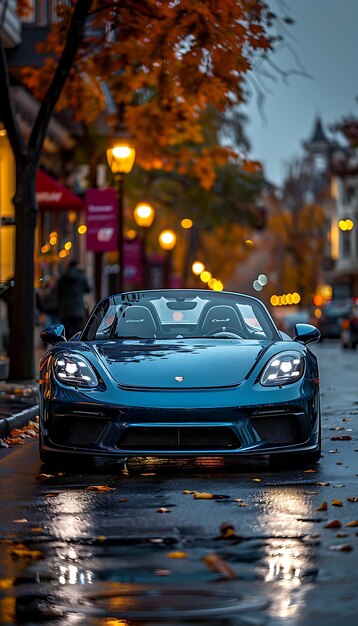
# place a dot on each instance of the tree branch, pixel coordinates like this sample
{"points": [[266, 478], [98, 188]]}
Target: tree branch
{"points": [[73, 41], [7, 112]]}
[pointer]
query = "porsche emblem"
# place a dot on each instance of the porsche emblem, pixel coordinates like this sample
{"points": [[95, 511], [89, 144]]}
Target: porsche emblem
{"points": [[179, 379]]}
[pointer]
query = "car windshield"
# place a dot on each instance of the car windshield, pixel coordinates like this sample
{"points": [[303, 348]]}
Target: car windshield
{"points": [[179, 313]]}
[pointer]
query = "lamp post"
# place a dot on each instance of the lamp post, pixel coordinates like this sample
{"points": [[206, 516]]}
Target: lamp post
{"points": [[120, 157], [144, 215], [167, 240]]}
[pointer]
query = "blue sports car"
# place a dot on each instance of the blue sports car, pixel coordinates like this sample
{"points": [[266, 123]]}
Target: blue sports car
{"points": [[179, 373]]}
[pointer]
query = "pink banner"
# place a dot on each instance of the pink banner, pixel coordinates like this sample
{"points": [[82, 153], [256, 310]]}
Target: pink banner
{"points": [[101, 220], [133, 256]]}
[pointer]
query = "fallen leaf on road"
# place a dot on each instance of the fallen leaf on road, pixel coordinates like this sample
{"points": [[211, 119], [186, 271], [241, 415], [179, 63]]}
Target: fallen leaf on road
{"points": [[323, 507], [337, 502], [45, 476], [162, 572], [21, 551], [148, 474], [227, 531], [345, 547], [310, 493], [257, 480], [36, 529], [6, 583], [51, 495], [20, 521], [122, 500], [101, 538], [163, 510], [176, 554], [310, 471], [353, 499], [13, 441], [333, 524], [243, 504], [341, 438], [341, 534], [352, 524], [186, 492], [216, 564], [322, 484], [203, 496], [100, 488]]}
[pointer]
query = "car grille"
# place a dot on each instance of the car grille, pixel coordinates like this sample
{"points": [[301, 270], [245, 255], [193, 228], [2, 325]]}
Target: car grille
{"points": [[178, 438], [76, 430]]}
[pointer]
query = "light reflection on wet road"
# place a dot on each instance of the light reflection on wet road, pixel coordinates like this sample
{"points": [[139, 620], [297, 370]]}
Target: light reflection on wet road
{"points": [[95, 558]]}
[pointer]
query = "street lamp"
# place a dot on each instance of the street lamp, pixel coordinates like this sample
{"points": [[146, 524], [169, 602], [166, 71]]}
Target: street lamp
{"points": [[144, 215], [167, 240], [120, 157]]}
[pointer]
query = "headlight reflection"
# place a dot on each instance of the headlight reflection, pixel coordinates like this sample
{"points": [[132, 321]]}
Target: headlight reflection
{"points": [[288, 557]]}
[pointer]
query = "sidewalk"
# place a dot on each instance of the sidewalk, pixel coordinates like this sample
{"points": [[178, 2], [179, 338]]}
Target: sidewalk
{"points": [[18, 405]]}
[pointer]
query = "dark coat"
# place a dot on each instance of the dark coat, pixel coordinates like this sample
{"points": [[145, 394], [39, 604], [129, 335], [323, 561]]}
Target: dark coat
{"points": [[72, 286]]}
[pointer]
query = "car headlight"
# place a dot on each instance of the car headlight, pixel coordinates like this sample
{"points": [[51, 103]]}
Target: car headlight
{"points": [[73, 369], [282, 369]]}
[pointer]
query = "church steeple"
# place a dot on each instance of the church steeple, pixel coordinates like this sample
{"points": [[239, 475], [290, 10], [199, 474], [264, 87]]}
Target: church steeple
{"points": [[318, 148]]}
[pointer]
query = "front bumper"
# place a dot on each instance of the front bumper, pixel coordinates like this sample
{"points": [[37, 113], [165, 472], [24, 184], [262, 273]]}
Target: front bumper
{"points": [[114, 432]]}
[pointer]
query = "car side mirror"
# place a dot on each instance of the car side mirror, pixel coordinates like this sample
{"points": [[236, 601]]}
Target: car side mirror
{"points": [[53, 334], [306, 333]]}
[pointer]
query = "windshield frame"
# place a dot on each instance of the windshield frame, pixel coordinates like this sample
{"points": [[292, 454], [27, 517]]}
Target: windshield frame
{"points": [[269, 331]]}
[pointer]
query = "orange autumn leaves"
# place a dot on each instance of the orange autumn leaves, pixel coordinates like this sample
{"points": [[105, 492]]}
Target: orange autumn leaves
{"points": [[166, 63]]}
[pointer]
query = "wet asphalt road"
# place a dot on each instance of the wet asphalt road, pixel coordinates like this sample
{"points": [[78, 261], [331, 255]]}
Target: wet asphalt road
{"points": [[105, 558]]}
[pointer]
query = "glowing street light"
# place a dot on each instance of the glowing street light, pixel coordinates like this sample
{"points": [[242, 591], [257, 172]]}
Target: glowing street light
{"points": [[144, 215], [197, 268], [167, 240], [121, 157]]}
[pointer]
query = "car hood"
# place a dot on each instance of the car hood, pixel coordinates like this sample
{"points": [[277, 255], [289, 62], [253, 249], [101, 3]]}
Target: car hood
{"points": [[174, 364]]}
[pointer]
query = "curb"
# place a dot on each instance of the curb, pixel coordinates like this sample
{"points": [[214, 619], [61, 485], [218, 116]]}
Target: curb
{"points": [[17, 420]]}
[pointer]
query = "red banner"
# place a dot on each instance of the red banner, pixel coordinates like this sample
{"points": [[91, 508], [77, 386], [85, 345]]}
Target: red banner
{"points": [[101, 220]]}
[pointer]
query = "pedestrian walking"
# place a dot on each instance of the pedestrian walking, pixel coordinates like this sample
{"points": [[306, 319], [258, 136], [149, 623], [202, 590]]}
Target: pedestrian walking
{"points": [[72, 286]]}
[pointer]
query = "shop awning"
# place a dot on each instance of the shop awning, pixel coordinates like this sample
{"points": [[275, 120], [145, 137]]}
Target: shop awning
{"points": [[53, 196]]}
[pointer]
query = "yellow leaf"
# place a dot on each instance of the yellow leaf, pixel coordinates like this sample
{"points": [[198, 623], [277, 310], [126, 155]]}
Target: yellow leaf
{"points": [[21, 551], [203, 496], [216, 564], [186, 492], [352, 524], [45, 476], [323, 507], [257, 480], [337, 502], [6, 583], [20, 521], [310, 471], [176, 554], [101, 538], [100, 488]]}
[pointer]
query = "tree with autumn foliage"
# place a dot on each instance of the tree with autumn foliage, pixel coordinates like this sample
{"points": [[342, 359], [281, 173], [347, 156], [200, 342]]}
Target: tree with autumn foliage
{"points": [[295, 234], [165, 62]]}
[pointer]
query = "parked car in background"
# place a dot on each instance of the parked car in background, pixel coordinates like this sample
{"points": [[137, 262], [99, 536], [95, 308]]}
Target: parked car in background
{"points": [[330, 317], [349, 328]]}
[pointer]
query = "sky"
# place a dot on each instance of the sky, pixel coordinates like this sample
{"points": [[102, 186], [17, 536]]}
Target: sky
{"points": [[325, 39]]}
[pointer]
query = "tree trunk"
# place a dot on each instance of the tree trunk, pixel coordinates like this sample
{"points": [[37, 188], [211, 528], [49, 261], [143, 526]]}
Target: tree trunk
{"points": [[22, 332]]}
